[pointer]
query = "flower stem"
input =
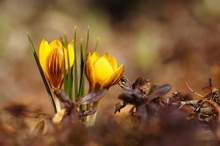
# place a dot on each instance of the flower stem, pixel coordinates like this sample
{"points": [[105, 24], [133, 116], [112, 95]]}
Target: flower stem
{"points": [[57, 103], [90, 120]]}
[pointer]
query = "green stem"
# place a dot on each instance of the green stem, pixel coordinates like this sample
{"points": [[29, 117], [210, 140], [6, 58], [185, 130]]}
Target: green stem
{"points": [[90, 120], [57, 102]]}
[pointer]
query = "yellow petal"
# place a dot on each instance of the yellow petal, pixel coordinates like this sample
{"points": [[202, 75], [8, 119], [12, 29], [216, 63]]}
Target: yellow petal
{"points": [[103, 69], [43, 51], [114, 78], [90, 74], [118, 75], [71, 55], [95, 56], [57, 44], [112, 61]]}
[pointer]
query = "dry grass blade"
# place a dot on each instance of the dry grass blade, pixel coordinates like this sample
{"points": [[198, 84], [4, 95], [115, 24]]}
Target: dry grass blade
{"points": [[193, 90]]}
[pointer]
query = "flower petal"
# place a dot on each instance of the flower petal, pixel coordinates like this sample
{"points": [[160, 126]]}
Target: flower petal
{"points": [[43, 51], [57, 44], [103, 69], [71, 55], [54, 68], [112, 61], [95, 56], [114, 78], [90, 74]]}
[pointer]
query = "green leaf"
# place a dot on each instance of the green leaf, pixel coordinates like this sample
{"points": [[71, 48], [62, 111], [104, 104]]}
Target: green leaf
{"points": [[70, 78], [65, 78], [83, 64], [97, 44], [68, 75], [42, 74], [87, 44], [75, 67], [64, 40]]}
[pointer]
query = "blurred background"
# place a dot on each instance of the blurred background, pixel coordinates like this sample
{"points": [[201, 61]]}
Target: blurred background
{"points": [[172, 41]]}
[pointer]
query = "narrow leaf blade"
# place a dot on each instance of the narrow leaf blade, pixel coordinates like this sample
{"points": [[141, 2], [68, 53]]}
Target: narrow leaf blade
{"points": [[42, 74], [75, 68]]}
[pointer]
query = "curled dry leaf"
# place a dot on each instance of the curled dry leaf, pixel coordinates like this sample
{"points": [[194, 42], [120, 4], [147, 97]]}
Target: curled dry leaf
{"points": [[94, 96], [38, 129]]}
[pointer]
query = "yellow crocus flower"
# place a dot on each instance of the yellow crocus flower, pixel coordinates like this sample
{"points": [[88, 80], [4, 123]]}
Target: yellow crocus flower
{"points": [[51, 57], [102, 71]]}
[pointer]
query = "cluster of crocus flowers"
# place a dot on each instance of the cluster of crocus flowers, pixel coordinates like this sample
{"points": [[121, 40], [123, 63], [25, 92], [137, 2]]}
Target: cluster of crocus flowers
{"points": [[55, 62], [102, 71], [53, 58]]}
